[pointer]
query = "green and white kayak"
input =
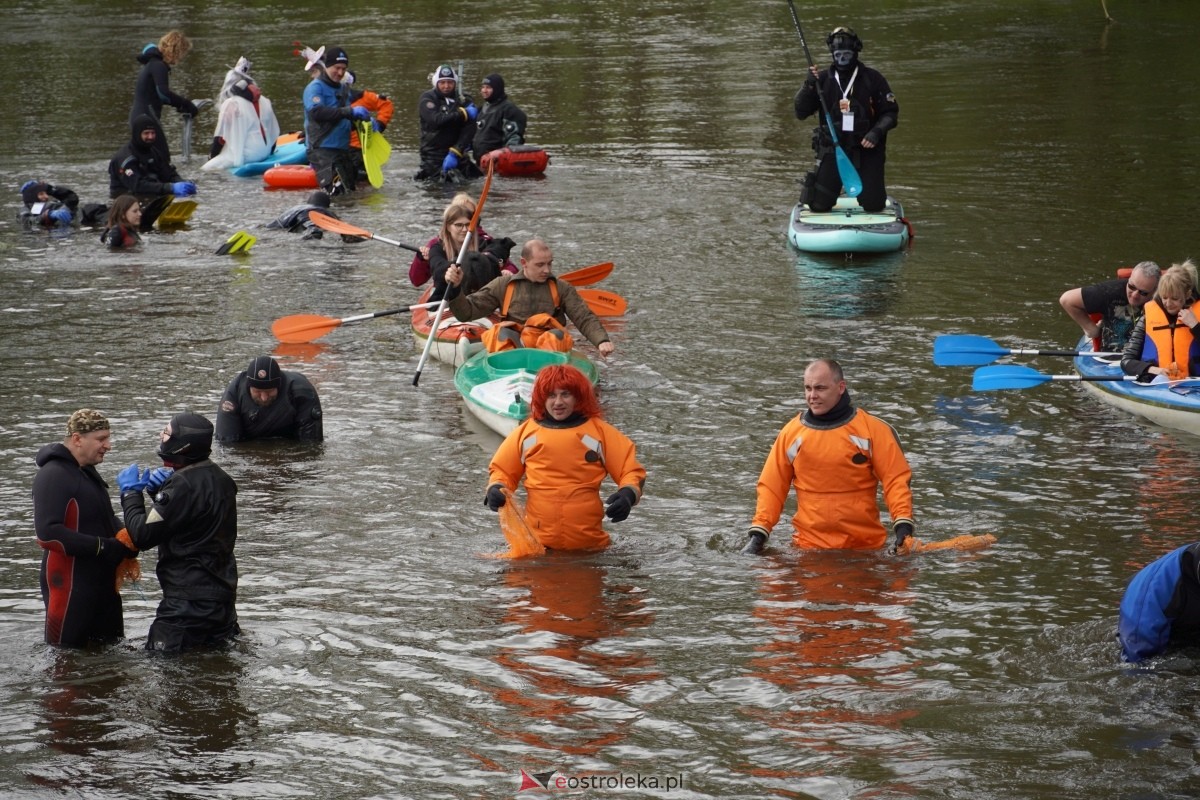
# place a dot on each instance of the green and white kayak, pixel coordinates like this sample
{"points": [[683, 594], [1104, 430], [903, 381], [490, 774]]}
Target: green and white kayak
{"points": [[847, 228], [497, 386]]}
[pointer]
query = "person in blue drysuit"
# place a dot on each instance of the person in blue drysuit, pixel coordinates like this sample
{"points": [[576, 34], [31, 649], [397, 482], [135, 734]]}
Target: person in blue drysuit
{"points": [[1161, 605]]}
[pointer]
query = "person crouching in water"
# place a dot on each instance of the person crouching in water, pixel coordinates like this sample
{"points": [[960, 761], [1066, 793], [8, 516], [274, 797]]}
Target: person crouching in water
{"points": [[124, 219], [564, 450]]}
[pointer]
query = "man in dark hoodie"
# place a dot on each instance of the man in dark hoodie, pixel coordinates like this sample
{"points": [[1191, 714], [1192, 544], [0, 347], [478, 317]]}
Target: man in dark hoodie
{"points": [[192, 521], [500, 122], [139, 169], [863, 110], [446, 129], [153, 88], [76, 528]]}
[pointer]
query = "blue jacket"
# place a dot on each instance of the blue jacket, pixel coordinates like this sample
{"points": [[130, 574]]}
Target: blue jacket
{"points": [[1162, 601], [327, 114]]}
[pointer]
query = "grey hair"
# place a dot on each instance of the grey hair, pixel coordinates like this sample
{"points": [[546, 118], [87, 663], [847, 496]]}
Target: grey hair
{"points": [[1148, 268]]}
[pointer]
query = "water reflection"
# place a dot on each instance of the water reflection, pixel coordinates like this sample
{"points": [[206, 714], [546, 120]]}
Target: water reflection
{"points": [[837, 626], [849, 285], [574, 673]]}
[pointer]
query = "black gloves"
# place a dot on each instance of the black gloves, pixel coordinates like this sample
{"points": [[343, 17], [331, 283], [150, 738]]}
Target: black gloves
{"points": [[495, 497], [113, 552], [903, 530], [619, 503], [758, 540], [188, 107]]}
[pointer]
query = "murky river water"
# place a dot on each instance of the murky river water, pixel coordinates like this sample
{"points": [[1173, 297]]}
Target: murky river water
{"points": [[385, 655]]}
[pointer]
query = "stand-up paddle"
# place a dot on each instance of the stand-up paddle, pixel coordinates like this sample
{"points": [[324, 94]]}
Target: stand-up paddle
{"points": [[462, 254], [969, 350], [851, 182]]}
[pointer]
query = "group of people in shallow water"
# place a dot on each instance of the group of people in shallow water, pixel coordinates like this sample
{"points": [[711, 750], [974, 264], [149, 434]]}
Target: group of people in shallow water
{"points": [[454, 135], [836, 456]]}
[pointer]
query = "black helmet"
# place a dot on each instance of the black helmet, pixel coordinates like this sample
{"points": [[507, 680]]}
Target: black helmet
{"points": [[187, 439], [843, 38], [264, 373]]}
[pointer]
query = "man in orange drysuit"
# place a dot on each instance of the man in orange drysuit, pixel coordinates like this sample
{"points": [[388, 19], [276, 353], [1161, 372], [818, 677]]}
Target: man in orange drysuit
{"points": [[564, 450], [836, 456]]}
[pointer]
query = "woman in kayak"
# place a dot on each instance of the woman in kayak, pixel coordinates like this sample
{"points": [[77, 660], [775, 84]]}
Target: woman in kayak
{"points": [[1166, 340]]}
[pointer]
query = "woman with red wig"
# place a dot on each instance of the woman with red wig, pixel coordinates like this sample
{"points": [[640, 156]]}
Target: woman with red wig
{"points": [[564, 450]]}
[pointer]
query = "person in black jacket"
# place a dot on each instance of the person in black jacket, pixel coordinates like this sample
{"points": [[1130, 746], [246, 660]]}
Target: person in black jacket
{"points": [[153, 88], [863, 109], [76, 528], [265, 402], [446, 129], [192, 521], [139, 169], [500, 122]]}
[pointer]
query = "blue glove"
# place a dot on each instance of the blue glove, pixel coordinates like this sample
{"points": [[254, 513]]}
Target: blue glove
{"points": [[156, 477], [360, 113], [377, 126], [449, 162], [183, 188], [62, 215], [131, 479], [472, 111]]}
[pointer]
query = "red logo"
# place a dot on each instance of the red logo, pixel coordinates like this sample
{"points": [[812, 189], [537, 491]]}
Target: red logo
{"points": [[538, 780]]}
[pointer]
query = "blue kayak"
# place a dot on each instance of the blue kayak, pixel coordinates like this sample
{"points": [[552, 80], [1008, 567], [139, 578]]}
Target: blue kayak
{"points": [[290, 153], [1175, 406], [848, 228]]}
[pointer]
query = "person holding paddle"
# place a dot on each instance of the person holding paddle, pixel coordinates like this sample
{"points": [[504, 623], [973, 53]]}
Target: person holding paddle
{"points": [[532, 301], [1166, 339], [420, 270], [836, 456], [153, 88], [564, 451], [1119, 303], [483, 263], [327, 122], [265, 402], [862, 109]]}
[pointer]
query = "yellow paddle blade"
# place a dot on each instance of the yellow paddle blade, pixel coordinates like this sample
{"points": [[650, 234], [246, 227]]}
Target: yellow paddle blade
{"points": [[302, 328], [521, 541], [964, 543], [375, 152]]}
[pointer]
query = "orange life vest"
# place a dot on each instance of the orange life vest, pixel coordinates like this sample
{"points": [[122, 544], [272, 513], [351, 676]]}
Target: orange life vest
{"points": [[1170, 344], [541, 331]]}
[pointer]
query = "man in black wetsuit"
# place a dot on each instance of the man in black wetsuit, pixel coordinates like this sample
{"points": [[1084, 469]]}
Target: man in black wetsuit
{"points": [[264, 402]]}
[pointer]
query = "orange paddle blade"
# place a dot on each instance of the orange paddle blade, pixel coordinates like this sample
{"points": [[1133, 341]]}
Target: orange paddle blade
{"points": [[585, 276], [521, 541], [963, 543], [302, 328], [328, 223], [602, 303]]}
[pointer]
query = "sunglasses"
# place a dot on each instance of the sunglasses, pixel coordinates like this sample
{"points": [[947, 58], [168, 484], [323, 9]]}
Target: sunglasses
{"points": [[1139, 292]]}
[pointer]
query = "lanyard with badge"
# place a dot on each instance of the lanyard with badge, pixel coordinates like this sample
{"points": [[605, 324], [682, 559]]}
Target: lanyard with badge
{"points": [[844, 103]]}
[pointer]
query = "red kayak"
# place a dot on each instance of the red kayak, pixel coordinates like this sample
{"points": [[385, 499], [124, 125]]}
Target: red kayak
{"points": [[514, 162]]}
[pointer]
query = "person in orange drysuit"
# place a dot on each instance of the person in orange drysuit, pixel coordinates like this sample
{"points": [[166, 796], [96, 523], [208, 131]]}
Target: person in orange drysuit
{"points": [[564, 450], [836, 456]]}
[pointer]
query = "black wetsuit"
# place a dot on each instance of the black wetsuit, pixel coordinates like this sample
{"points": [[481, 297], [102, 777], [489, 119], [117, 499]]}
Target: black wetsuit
{"points": [[193, 523], [71, 509], [295, 414]]}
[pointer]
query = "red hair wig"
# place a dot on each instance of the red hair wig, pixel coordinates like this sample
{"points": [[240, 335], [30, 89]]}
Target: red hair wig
{"points": [[563, 376]]}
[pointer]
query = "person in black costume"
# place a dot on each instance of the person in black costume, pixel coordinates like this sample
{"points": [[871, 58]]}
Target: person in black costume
{"points": [[192, 521], [265, 402], [863, 109], [76, 528], [295, 219]]}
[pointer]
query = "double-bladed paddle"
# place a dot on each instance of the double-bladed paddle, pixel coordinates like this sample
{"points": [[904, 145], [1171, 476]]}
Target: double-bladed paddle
{"points": [[851, 182], [303, 328], [969, 350], [1012, 376], [333, 225]]}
